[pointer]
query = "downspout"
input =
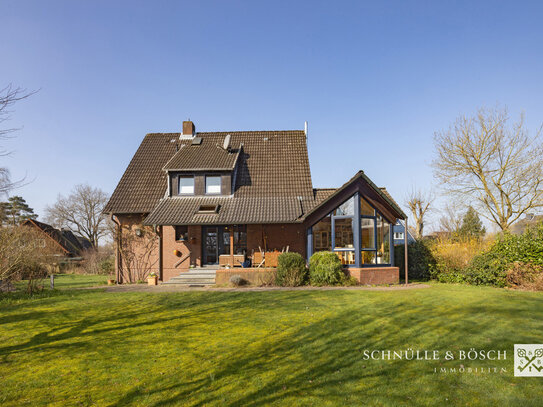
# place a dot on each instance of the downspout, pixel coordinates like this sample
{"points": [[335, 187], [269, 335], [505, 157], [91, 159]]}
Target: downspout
{"points": [[119, 276], [405, 251], [159, 234]]}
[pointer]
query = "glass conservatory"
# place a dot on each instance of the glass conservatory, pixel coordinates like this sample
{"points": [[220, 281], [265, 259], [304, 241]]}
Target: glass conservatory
{"points": [[356, 232]]}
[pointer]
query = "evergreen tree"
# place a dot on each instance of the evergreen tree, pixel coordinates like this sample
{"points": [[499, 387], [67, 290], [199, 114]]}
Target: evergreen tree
{"points": [[472, 227], [16, 211], [4, 213]]}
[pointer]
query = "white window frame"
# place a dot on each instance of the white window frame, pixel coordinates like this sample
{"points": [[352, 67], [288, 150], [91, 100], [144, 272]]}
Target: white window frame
{"points": [[186, 189], [213, 189]]}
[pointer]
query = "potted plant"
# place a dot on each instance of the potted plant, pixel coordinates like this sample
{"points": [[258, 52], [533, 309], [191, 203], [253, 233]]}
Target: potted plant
{"points": [[152, 279]]}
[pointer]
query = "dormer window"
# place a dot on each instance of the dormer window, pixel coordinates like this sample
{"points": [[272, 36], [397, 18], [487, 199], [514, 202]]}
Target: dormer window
{"points": [[186, 185], [213, 184]]}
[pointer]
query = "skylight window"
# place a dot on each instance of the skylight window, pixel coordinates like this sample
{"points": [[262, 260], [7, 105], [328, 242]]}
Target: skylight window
{"points": [[208, 209]]}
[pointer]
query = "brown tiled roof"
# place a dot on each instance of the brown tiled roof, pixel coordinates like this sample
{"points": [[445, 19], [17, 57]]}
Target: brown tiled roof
{"points": [[321, 194], [71, 244], [387, 194], [184, 210], [209, 155], [272, 164], [144, 182], [328, 195], [272, 185]]}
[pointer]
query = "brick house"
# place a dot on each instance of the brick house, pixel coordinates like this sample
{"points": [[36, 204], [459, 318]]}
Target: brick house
{"points": [[221, 200]]}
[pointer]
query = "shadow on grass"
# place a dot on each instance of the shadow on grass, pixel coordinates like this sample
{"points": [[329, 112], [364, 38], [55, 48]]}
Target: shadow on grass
{"points": [[322, 360], [306, 346]]}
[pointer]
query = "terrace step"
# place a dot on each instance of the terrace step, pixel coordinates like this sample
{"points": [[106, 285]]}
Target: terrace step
{"points": [[196, 276]]}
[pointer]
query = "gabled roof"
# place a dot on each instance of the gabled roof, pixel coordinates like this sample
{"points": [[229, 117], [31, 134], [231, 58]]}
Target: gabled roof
{"points": [[144, 182], [272, 164], [381, 197], [70, 243]]}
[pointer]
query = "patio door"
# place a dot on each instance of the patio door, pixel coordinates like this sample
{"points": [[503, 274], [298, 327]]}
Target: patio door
{"points": [[215, 241]]}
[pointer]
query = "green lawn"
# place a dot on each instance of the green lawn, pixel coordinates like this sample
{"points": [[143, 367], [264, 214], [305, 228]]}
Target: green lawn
{"points": [[81, 347], [68, 281]]}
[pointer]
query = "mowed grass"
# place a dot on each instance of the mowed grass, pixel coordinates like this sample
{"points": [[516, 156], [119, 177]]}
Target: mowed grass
{"points": [[90, 347]]}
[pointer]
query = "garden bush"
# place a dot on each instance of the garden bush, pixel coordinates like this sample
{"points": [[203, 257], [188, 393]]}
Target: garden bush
{"points": [[420, 257], [325, 268], [238, 281], [525, 276], [491, 267], [291, 270]]}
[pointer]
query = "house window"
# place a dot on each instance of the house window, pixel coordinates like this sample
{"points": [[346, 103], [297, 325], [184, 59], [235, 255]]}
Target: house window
{"points": [[186, 185], [213, 184], [365, 208], [322, 235], [240, 239], [398, 235], [367, 227], [181, 233], [346, 208], [383, 241], [341, 229]]}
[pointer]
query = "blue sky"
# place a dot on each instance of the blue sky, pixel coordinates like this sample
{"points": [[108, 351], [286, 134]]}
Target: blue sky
{"points": [[374, 80]]}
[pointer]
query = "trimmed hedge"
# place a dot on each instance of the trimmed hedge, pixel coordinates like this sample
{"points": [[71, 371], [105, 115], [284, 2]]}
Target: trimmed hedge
{"points": [[291, 270], [325, 268]]}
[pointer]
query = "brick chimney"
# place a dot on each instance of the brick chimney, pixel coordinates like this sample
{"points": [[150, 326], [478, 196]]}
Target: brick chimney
{"points": [[189, 130]]}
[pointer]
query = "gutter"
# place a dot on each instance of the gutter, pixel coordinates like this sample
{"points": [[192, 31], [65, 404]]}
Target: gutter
{"points": [[118, 276], [159, 234]]}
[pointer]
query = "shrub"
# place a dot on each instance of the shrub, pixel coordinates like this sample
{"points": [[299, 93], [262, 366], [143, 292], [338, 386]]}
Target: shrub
{"points": [[348, 281], [291, 270], [237, 280], [420, 257], [325, 268], [526, 276], [98, 261], [491, 267], [452, 258]]}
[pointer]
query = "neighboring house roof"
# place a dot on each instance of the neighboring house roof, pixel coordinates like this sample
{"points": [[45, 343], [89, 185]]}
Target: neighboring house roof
{"points": [[519, 227], [71, 244], [400, 227]]}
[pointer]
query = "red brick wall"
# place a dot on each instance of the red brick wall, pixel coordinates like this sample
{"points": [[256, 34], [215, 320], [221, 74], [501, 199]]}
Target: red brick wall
{"points": [[254, 276], [376, 275], [269, 236], [276, 237], [141, 252], [192, 247]]}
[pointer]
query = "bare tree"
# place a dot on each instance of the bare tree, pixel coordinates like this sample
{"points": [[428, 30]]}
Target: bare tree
{"points": [[9, 95], [451, 221], [81, 211], [419, 203], [494, 164]]}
